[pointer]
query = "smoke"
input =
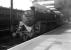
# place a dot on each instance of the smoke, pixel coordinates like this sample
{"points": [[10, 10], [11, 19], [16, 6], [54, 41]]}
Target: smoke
{"points": [[64, 6]]}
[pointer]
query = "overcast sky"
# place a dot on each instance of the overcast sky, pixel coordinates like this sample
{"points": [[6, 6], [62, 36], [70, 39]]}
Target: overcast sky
{"points": [[17, 4], [5, 3]]}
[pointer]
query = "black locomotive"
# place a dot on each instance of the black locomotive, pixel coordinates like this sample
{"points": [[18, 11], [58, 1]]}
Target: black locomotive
{"points": [[42, 23]]}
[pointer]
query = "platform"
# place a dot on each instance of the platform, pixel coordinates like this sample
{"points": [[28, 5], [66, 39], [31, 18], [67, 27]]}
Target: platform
{"points": [[58, 39]]}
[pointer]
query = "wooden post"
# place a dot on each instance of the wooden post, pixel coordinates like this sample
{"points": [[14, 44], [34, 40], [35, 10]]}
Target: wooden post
{"points": [[11, 12]]}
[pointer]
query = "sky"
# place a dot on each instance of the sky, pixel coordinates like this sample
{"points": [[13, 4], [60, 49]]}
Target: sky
{"points": [[20, 4], [5, 3], [17, 4]]}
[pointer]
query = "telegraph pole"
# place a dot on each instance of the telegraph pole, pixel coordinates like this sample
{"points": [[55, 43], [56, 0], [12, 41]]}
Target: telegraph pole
{"points": [[11, 12]]}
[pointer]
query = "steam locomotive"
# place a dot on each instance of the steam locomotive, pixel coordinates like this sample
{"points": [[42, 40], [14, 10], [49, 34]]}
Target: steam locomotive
{"points": [[43, 22]]}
